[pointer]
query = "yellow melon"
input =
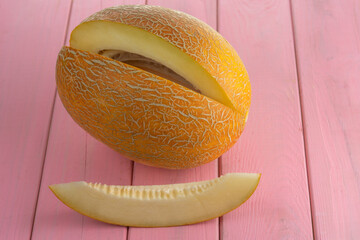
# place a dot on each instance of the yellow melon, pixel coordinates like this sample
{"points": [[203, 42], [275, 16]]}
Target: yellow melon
{"points": [[157, 85], [158, 205]]}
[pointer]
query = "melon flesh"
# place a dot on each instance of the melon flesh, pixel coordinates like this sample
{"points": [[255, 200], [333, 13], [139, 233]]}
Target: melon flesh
{"points": [[100, 36], [158, 205], [149, 65]]}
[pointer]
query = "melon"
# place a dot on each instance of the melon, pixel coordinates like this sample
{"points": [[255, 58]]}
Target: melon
{"points": [[157, 85], [158, 205]]}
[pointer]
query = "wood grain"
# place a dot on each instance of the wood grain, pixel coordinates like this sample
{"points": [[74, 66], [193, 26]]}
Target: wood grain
{"points": [[28, 47], [206, 11], [73, 155], [327, 36], [272, 142]]}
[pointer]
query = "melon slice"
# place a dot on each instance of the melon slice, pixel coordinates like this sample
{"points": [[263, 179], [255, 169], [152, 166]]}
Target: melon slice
{"points": [[158, 205], [109, 38]]}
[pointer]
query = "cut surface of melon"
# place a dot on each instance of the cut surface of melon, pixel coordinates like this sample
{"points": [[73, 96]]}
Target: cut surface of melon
{"points": [[149, 65], [158, 205], [97, 36]]}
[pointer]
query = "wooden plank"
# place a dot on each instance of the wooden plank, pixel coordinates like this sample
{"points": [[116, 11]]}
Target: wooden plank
{"points": [[73, 155], [272, 142], [327, 36], [206, 11], [31, 34]]}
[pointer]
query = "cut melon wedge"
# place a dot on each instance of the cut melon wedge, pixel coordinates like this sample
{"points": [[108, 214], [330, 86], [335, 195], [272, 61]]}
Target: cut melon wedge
{"points": [[97, 36], [158, 205]]}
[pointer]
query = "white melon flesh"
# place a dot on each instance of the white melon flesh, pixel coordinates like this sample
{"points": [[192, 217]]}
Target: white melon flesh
{"points": [[158, 205], [97, 36]]}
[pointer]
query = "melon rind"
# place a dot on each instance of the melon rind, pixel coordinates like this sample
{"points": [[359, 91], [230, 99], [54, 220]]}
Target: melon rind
{"points": [[141, 115], [190, 35], [145, 117], [97, 36]]}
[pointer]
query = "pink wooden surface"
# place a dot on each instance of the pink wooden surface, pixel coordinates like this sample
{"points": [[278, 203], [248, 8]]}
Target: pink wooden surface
{"points": [[328, 55], [31, 34], [303, 134], [272, 142]]}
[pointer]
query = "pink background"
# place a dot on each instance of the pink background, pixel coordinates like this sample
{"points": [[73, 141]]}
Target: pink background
{"points": [[303, 132]]}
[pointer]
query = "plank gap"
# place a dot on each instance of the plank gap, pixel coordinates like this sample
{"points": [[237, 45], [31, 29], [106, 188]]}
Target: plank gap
{"points": [[219, 166], [217, 15], [68, 21], [48, 135], [43, 163], [219, 163], [307, 166], [220, 221], [131, 183], [85, 154]]}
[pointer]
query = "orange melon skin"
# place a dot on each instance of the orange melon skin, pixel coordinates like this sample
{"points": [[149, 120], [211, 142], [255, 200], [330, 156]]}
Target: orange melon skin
{"points": [[192, 36], [144, 117]]}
